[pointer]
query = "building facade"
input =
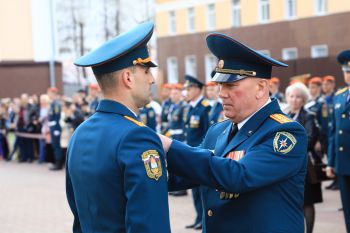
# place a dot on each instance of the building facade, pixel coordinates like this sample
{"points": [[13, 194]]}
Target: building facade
{"points": [[26, 47], [306, 34]]}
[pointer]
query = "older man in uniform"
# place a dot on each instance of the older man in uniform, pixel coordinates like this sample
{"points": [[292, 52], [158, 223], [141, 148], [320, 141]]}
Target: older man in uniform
{"points": [[252, 167], [339, 146], [116, 175]]}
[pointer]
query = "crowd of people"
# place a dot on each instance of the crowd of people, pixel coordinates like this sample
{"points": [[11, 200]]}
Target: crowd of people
{"points": [[39, 128], [30, 123]]}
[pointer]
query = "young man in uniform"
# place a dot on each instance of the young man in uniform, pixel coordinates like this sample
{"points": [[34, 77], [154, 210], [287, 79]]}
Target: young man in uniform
{"points": [[116, 172]]}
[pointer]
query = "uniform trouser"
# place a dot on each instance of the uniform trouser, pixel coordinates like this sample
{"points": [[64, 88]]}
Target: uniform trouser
{"points": [[344, 185], [56, 146], [197, 200]]}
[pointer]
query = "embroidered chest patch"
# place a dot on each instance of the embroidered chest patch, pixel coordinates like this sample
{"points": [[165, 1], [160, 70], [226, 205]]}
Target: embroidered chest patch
{"points": [[152, 164], [284, 142]]}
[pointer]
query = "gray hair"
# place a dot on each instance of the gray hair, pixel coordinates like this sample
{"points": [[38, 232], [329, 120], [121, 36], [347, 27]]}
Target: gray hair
{"points": [[304, 91]]}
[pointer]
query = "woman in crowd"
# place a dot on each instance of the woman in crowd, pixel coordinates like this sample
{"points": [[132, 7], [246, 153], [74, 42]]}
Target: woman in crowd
{"points": [[297, 96]]}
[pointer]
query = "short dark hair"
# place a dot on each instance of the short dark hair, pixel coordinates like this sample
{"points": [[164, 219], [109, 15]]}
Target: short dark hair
{"points": [[106, 81]]}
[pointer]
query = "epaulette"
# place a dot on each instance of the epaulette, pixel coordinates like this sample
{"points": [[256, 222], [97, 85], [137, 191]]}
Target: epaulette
{"points": [[205, 103], [139, 123], [341, 91], [148, 106], [280, 118]]}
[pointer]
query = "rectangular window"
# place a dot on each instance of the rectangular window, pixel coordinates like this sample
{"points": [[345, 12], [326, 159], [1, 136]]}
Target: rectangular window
{"points": [[289, 54], [320, 7], [291, 9], [264, 11], [236, 13], [265, 52], [211, 20], [318, 51], [172, 70], [191, 65], [190, 20], [210, 62], [172, 23]]}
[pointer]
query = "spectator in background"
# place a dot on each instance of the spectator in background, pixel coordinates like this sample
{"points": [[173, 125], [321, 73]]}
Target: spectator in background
{"points": [[274, 85], [297, 96], [66, 123], [24, 126], [339, 146], [93, 97], [55, 127], [216, 113], [45, 129], [328, 89], [165, 107]]}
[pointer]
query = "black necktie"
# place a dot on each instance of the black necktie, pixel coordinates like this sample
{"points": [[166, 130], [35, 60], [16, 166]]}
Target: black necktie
{"points": [[233, 132]]}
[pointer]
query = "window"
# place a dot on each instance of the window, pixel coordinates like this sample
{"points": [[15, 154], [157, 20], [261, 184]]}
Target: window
{"points": [[211, 20], [190, 20], [173, 76], [210, 63], [265, 52], [291, 9], [172, 22], [264, 11], [318, 51], [236, 13], [320, 7], [191, 65], [289, 54]]}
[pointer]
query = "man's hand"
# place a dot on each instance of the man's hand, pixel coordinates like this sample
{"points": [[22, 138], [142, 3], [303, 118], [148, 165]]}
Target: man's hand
{"points": [[166, 142], [330, 172]]}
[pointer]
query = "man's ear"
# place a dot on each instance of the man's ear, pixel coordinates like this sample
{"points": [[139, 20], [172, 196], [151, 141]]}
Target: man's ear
{"points": [[127, 78], [262, 85]]}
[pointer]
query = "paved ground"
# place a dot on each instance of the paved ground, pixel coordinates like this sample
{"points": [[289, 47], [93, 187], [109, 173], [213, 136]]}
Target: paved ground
{"points": [[32, 200]]}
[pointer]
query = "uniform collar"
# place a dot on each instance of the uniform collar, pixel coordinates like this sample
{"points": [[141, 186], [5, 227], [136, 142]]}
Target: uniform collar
{"points": [[195, 102], [111, 106]]}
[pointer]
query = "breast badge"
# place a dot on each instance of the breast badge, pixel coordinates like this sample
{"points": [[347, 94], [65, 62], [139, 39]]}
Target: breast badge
{"points": [[284, 142], [152, 164]]}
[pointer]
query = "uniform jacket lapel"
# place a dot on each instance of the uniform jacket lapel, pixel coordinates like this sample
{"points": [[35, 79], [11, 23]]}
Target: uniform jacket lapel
{"points": [[222, 140]]}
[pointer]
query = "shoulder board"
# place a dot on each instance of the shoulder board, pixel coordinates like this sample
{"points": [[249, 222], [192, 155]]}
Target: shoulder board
{"points": [[280, 118], [148, 106], [139, 123], [205, 103], [341, 91]]}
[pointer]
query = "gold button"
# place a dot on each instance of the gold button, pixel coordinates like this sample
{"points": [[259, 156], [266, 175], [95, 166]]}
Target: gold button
{"points": [[340, 131], [210, 213], [236, 195], [341, 148], [343, 115]]}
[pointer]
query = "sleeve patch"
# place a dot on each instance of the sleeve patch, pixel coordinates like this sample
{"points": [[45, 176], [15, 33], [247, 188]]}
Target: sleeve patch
{"points": [[153, 165], [139, 123], [284, 142], [280, 118]]}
